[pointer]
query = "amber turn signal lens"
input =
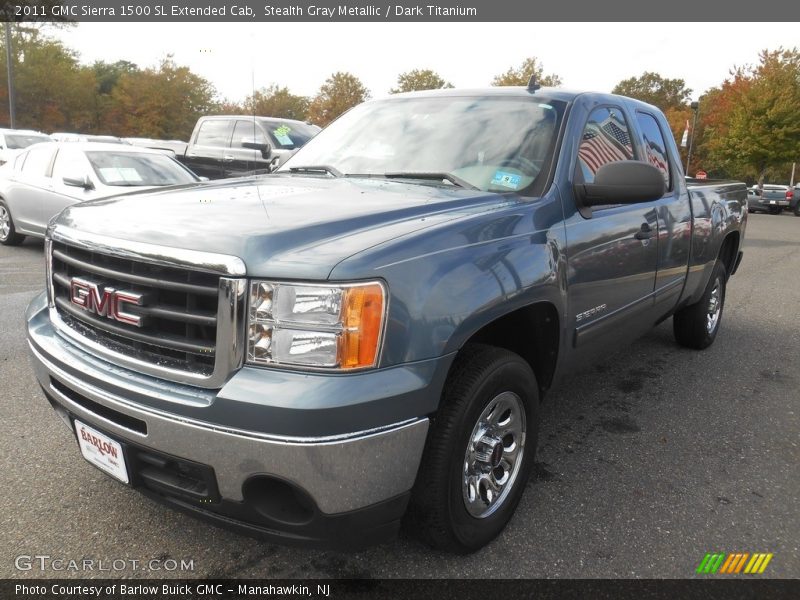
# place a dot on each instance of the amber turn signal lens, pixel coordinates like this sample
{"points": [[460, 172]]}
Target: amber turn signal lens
{"points": [[362, 318]]}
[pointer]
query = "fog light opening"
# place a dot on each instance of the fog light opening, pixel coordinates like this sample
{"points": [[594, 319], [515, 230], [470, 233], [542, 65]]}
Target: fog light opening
{"points": [[278, 500]]}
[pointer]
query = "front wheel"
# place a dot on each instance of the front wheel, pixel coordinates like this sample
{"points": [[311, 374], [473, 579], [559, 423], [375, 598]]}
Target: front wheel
{"points": [[8, 235], [479, 453], [696, 326]]}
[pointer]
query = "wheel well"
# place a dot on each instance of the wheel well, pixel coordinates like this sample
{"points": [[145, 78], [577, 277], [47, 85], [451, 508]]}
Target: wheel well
{"points": [[532, 332], [728, 251]]}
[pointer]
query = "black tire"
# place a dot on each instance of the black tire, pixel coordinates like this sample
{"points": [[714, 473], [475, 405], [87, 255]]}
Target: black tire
{"points": [[8, 235], [797, 210], [692, 325], [775, 210], [481, 377]]}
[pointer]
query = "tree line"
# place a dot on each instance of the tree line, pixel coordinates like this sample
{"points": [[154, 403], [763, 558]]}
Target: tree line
{"points": [[748, 127]]}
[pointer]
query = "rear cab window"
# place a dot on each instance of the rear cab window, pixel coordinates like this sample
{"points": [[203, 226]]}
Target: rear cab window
{"points": [[655, 148]]}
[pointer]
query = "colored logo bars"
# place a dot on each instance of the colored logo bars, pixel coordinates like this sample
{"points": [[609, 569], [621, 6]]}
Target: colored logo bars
{"points": [[734, 563]]}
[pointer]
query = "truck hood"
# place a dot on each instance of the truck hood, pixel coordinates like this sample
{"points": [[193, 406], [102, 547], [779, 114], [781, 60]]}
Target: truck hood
{"points": [[281, 226]]}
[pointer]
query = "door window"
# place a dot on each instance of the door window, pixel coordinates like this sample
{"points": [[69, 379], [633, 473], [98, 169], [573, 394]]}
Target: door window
{"points": [[215, 132], [37, 164], [247, 131], [70, 163], [605, 140]]}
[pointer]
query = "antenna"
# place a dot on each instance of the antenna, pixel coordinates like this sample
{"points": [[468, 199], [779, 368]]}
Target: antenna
{"points": [[532, 85]]}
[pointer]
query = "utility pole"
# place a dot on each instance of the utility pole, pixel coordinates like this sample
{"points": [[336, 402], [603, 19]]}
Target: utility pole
{"points": [[791, 183], [10, 65], [695, 107]]}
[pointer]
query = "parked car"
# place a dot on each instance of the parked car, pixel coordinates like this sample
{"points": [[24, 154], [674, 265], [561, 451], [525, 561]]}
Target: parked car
{"points": [[84, 137], [48, 177], [232, 146], [794, 204], [773, 199], [13, 141], [366, 334]]}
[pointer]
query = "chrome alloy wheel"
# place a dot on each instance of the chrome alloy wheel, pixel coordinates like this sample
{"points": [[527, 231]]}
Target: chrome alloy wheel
{"points": [[5, 223], [494, 455], [714, 307]]}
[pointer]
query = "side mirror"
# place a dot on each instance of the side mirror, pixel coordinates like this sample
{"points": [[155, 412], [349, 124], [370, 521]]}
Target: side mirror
{"points": [[81, 182], [266, 149], [622, 182]]}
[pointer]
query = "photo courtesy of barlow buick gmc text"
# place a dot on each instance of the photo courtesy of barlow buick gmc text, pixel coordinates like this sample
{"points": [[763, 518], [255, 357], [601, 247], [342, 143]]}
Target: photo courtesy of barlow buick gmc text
{"points": [[399, 301]]}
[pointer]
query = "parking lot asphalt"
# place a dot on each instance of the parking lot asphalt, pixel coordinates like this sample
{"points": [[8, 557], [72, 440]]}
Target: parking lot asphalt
{"points": [[647, 460]]}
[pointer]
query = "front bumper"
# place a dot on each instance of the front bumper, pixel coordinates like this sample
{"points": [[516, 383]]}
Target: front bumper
{"points": [[353, 486]]}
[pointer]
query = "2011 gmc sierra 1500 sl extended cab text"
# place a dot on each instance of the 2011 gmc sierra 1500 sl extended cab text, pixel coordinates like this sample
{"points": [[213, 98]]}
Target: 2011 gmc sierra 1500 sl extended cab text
{"points": [[365, 335]]}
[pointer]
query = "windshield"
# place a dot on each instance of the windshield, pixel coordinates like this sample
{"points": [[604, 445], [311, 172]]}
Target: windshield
{"points": [[17, 141], [289, 136], [138, 169], [491, 143]]}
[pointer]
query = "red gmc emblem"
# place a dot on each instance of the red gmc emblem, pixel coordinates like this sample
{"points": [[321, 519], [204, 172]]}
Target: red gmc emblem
{"points": [[107, 302]]}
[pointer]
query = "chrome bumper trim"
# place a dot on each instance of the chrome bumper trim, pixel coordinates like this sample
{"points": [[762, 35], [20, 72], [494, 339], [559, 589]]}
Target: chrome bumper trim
{"points": [[341, 473]]}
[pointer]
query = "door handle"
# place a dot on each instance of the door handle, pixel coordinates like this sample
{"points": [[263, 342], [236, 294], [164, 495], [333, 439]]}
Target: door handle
{"points": [[227, 158], [645, 233]]}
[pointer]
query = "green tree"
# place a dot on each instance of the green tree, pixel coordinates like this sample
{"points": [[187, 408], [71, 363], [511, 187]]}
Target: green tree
{"points": [[656, 90], [162, 102], [522, 74], [340, 92], [753, 126], [419, 79], [108, 74], [52, 90], [275, 101]]}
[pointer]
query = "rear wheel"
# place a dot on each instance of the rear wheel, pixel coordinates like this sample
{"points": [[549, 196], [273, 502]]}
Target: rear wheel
{"points": [[8, 235], [696, 326], [479, 452]]}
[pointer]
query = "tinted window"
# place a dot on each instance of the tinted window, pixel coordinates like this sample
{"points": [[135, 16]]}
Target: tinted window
{"points": [[247, 131], [37, 162], [216, 132], [655, 148], [605, 139], [133, 169]]}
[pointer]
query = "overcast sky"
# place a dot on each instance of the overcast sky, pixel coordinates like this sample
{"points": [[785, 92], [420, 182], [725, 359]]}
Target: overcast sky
{"points": [[590, 56]]}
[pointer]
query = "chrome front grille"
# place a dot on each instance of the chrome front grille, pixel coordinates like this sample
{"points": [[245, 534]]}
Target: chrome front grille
{"points": [[190, 314]]}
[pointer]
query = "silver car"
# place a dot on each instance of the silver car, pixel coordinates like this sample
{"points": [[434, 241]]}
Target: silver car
{"points": [[13, 141], [46, 178]]}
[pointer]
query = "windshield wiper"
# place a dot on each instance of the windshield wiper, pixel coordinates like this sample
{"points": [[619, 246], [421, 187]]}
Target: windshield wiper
{"points": [[316, 169], [433, 176]]}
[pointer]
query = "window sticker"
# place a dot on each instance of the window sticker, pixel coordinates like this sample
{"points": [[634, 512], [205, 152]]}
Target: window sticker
{"points": [[282, 135], [508, 180]]}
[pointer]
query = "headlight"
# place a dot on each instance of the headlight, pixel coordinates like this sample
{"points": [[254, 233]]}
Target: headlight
{"points": [[322, 326]]}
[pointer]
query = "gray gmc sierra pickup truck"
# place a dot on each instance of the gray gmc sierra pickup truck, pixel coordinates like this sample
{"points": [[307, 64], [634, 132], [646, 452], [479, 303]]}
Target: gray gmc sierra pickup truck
{"points": [[365, 335]]}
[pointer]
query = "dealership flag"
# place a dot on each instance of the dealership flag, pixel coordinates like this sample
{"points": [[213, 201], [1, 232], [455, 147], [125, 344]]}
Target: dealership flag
{"points": [[685, 135]]}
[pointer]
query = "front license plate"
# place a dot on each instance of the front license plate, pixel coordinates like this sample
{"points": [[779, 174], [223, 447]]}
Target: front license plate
{"points": [[103, 452]]}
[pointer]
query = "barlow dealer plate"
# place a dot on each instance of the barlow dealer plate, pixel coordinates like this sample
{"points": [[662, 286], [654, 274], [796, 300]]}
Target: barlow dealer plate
{"points": [[103, 452]]}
